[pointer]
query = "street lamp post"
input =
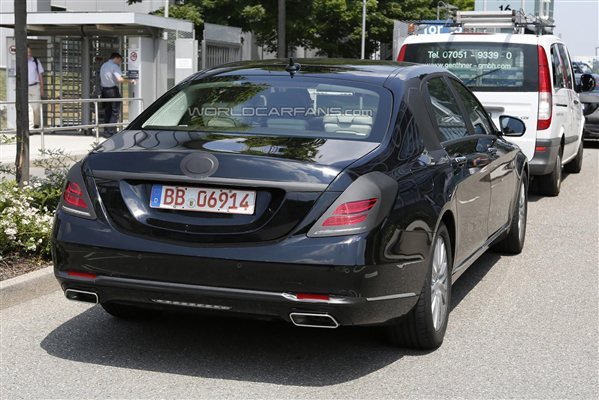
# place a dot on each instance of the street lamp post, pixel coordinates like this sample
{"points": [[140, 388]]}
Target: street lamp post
{"points": [[281, 29], [363, 29], [166, 5]]}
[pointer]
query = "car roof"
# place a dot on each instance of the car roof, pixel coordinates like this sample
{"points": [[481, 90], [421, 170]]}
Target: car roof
{"points": [[367, 71]]}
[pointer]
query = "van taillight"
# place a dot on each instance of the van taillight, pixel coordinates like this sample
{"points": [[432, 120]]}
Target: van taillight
{"points": [[545, 97], [402, 53]]}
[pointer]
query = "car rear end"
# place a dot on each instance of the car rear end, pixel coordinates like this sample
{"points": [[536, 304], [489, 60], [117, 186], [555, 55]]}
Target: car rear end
{"points": [[238, 213], [591, 124], [508, 73]]}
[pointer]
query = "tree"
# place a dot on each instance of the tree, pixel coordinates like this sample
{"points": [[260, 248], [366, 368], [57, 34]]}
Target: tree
{"points": [[22, 100], [190, 12], [331, 26]]}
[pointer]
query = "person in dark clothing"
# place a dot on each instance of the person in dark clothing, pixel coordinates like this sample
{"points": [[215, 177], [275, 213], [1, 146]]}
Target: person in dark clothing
{"points": [[110, 79]]}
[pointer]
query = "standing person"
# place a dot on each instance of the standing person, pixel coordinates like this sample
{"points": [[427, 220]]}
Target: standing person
{"points": [[110, 78], [36, 89]]}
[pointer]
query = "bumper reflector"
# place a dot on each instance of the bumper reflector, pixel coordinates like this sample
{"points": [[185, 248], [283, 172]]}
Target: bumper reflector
{"points": [[79, 274], [310, 296]]}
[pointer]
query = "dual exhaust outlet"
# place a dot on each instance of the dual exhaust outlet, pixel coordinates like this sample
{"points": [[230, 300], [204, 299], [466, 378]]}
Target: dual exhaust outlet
{"points": [[81, 295], [313, 320], [306, 320]]}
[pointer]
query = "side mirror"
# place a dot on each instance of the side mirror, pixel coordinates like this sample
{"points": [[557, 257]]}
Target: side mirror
{"points": [[511, 126], [587, 83]]}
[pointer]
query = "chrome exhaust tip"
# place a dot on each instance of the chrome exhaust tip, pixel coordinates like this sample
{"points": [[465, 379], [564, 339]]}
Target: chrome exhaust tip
{"points": [[81, 295], [313, 320]]}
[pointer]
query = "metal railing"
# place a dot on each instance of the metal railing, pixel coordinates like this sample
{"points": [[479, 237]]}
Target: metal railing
{"points": [[96, 126]]}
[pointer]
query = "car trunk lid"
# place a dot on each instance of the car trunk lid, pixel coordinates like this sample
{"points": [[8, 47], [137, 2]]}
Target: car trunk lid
{"points": [[287, 175]]}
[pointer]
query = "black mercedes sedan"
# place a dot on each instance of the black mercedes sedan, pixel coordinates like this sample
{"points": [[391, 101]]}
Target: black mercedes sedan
{"points": [[321, 192]]}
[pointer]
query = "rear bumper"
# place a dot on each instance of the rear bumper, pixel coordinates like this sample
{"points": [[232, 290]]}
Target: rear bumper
{"points": [[249, 303], [253, 280], [543, 161]]}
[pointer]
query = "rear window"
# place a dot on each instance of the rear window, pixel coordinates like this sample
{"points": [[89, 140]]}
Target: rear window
{"points": [[483, 67], [280, 106]]}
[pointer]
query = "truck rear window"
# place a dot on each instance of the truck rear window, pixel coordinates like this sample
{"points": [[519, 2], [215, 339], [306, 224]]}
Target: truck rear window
{"points": [[482, 66]]}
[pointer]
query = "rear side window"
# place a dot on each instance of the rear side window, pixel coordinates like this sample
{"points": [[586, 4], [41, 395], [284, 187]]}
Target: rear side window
{"points": [[446, 111], [483, 67], [278, 106], [581, 68], [558, 68], [476, 112], [566, 66]]}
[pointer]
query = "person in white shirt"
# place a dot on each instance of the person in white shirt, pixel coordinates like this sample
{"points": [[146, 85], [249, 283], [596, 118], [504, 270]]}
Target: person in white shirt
{"points": [[110, 78], [36, 89]]}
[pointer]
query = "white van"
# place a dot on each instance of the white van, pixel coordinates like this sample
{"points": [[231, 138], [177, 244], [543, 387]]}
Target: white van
{"points": [[524, 75]]}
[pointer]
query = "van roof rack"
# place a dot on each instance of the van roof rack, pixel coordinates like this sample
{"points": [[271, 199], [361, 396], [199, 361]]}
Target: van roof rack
{"points": [[497, 21]]}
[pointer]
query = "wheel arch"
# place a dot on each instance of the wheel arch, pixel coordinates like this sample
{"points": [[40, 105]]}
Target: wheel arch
{"points": [[448, 219]]}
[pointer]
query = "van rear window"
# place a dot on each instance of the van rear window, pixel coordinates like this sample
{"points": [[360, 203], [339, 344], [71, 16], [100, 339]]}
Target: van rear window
{"points": [[483, 67]]}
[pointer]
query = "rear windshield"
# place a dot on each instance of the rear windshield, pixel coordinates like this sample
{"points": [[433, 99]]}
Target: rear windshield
{"points": [[281, 106], [483, 67]]}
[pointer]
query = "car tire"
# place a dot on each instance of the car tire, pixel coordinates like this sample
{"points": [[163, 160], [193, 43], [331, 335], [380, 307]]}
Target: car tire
{"points": [[424, 326], [575, 166], [513, 243], [550, 184], [126, 311]]}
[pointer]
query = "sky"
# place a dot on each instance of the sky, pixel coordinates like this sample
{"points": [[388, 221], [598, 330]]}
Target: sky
{"points": [[577, 21]]}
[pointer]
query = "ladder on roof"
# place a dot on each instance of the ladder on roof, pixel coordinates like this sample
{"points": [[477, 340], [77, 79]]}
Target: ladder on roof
{"points": [[497, 21]]}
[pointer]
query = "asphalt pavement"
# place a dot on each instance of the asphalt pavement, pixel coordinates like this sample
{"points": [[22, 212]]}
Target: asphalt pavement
{"points": [[523, 326]]}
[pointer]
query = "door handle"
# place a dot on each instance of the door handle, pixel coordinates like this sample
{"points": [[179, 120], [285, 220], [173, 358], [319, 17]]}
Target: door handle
{"points": [[576, 102], [492, 150], [459, 161]]}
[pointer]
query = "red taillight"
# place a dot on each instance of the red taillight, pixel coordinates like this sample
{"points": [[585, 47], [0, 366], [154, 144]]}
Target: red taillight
{"points": [[540, 149], [79, 274], [350, 213], [338, 220], [354, 207], [73, 195], [402, 53], [311, 296], [545, 98]]}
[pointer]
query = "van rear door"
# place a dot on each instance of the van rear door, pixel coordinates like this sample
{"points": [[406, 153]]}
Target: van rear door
{"points": [[523, 105]]}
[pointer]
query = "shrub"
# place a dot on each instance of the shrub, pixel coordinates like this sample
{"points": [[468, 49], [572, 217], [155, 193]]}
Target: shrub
{"points": [[26, 214], [24, 228]]}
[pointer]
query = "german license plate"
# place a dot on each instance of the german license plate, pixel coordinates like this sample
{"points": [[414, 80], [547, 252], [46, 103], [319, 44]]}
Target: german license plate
{"points": [[227, 201]]}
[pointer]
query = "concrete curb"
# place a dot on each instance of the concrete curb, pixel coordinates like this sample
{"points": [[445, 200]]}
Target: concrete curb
{"points": [[29, 286]]}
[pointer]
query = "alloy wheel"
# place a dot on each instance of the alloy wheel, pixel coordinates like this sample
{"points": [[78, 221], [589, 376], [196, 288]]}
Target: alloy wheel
{"points": [[439, 284], [521, 212]]}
